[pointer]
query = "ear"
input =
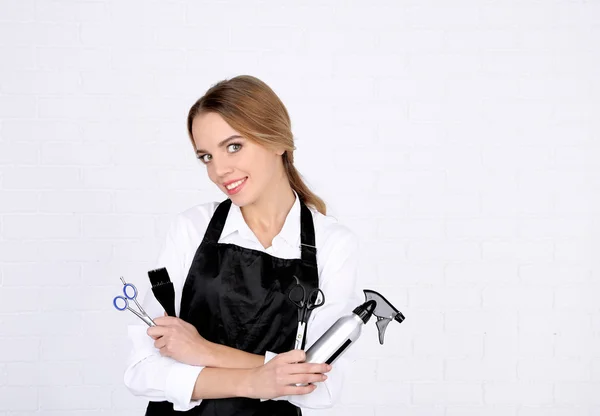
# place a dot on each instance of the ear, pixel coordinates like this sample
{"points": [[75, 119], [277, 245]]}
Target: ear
{"points": [[280, 152]]}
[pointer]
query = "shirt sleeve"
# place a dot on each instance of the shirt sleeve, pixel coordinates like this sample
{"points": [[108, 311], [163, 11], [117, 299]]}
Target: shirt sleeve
{"points": [[338, 281], [148, 374]]}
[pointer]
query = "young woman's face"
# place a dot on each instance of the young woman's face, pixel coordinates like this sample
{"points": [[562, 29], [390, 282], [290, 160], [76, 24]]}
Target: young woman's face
{"points": [[241, 168]]}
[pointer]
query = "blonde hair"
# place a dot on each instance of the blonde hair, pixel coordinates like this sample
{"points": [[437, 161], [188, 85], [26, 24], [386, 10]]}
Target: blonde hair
{"points": [[253, 109]]}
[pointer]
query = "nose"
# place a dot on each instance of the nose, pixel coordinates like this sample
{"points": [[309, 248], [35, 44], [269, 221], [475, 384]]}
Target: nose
{"points": [[221, 168]]}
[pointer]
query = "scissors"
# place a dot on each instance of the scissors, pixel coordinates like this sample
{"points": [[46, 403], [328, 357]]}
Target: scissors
{"points": [[125, 300], [305, 305]]}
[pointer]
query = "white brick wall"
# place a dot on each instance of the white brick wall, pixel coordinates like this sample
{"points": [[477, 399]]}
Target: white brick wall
{"points": [[460, 140]]}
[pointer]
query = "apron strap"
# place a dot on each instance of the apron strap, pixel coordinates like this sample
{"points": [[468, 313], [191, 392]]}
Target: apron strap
{"points": [[217, 222], [307, 236]]}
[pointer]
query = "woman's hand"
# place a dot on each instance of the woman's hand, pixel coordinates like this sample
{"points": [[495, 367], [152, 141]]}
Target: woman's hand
{"points": [[181, 341], [280, 375]]}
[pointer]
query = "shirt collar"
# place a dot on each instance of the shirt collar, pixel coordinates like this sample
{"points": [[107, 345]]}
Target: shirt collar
{"points": [[290, 232]]}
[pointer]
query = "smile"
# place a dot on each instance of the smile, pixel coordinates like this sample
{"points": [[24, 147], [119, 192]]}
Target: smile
{"points": [[234, 187]]}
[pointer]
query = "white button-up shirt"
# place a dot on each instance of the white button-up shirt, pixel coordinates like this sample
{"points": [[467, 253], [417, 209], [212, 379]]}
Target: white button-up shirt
{"points": [[159, 378]]}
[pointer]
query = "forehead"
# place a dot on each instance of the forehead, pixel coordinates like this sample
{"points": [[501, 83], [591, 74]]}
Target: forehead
{"points": [[208, 129]]}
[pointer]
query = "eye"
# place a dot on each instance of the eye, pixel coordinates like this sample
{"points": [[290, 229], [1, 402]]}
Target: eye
{"points": [[239, 146], [203, 158], [232, 148]]}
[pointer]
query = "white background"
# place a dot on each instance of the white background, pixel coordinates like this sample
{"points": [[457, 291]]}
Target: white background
{"points": [[459, 139]]}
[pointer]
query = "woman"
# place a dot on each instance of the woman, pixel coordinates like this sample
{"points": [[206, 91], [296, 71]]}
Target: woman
{"points": [[230, 350]]}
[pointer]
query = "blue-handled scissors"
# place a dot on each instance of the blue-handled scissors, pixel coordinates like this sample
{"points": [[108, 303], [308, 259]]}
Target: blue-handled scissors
{"points": [[125, 301], [305, 305]]}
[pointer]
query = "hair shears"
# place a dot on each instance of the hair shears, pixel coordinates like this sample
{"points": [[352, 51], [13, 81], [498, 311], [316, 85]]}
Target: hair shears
{"points": [[305, 304], [125, 301]]}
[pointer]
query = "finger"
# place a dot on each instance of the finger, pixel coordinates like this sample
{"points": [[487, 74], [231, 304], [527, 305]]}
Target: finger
{"points": [[298, 390], [164, 352], [304, 378], [160, 342], [156, 331], [293, 356], [165, 320], [166, 314], [306, 368]]}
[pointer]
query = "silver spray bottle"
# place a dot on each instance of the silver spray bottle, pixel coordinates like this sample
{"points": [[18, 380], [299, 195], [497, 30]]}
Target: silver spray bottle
{"points": [[342, 334]]}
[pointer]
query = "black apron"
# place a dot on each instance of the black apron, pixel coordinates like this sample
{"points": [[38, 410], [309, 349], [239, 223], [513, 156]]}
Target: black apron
{"points": [[237, 297]]}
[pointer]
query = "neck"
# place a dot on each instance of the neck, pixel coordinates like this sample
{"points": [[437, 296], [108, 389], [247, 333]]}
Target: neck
{"points": [[268, 213]]}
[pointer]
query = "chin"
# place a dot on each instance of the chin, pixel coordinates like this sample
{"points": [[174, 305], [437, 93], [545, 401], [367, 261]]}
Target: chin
{"points": [[241, 200], [238, 199]]}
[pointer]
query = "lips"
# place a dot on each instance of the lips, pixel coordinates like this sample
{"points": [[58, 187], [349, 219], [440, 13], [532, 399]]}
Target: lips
{"points": [[237, 184], [226, 184]]}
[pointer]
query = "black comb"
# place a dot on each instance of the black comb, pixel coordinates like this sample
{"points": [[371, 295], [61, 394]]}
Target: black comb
{"points": [[163, 290]]}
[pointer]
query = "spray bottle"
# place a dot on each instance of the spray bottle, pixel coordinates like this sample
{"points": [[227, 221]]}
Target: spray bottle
{"points": [[347, 329]]}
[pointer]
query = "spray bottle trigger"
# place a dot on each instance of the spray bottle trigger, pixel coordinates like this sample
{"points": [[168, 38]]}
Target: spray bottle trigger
{"points": [[382, 324]]}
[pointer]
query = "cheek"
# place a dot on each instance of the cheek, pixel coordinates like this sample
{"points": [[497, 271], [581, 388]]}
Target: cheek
{"points": [[211, 174], [261, 168], [250, 163]]}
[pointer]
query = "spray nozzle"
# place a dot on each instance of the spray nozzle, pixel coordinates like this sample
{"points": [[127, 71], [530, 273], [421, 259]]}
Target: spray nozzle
{"points": [[379, 306], [365, 310]]}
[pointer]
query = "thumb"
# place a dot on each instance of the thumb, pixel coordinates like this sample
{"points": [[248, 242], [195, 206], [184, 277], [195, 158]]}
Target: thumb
{"points": [[294, 356]]}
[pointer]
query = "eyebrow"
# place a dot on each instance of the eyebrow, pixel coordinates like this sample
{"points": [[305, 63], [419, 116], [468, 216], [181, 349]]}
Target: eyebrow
{"points": [[222, 143]]}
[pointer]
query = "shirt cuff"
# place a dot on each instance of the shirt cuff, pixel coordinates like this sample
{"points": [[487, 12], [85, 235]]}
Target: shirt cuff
{"points": [[268, 357], [179, 386], [327, 392]]}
